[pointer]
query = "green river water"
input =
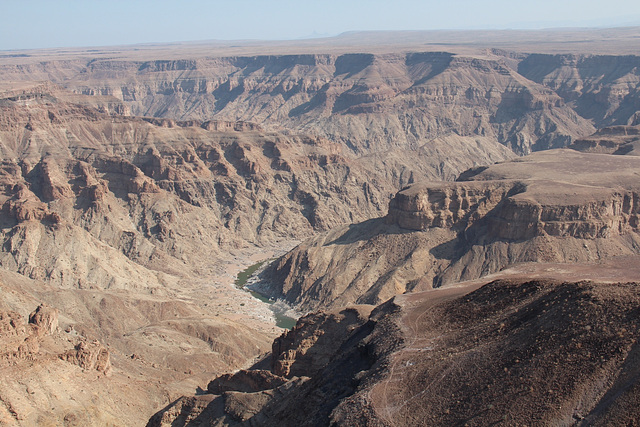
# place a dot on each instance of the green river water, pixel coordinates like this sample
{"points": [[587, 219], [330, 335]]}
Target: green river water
{"points": [[282, 320]]}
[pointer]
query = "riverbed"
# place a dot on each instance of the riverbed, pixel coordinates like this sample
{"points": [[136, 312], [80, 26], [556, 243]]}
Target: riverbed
{"points": [[279, 308]]}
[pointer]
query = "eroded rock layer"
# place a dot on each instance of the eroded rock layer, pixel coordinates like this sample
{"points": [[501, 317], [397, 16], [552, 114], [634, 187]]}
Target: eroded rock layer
{"points": [[611, 140], [553, 206], [367, 102]]}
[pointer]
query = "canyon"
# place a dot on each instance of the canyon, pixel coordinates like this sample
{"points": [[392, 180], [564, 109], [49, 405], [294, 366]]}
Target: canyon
{"points": [[421, 171]]}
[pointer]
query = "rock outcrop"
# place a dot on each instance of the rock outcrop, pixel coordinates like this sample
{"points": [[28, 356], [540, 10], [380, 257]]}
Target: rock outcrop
{"points": [[45, 318], [246, 381], [21, 342], [611, 140], [39, 362], [309, 346], [333, 356], [516, 210], [553, 206], [89, 355]]}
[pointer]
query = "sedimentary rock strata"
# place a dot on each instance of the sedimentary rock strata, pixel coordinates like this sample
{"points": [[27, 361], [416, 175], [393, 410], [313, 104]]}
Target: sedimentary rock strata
{"points": [[553, 206], [611, 140], [135, 182]]}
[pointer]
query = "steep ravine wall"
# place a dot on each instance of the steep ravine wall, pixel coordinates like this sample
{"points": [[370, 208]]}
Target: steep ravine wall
{"points": [[367, 102], [510, 215]]}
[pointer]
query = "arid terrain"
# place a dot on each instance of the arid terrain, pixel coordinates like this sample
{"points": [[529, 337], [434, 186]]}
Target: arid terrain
{"points": [[456, 212], [559, 206], [506, 352]]}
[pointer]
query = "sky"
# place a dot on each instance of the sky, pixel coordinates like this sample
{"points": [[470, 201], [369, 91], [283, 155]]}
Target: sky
{"points": [[29, 24]]}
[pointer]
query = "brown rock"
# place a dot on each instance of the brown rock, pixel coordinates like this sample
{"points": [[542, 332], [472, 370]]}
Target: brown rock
{"points": [[611, 140], [89, 356], [11, 324], [246, 382], [309, 346], [45, 318], [30, 346], [243, 406], [188, 410]]}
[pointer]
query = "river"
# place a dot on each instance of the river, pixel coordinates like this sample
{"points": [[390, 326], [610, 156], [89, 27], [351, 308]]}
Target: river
{"points": [[278, 308]]}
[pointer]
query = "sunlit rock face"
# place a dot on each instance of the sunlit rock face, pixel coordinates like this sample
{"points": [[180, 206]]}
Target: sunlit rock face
{"points": [[553, 206]]}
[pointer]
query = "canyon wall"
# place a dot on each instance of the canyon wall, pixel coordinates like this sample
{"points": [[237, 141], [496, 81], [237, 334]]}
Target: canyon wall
{"points": [[366, 102], [602, 88], [132, 186], [553, 206]]}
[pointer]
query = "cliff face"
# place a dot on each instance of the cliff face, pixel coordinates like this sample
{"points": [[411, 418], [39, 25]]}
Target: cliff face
{"points": [[601, 88], [553, 206], [447, 205], [367, 102], [253, 184], [507, 212], [611, 140], [309, 347], [331, 355]]}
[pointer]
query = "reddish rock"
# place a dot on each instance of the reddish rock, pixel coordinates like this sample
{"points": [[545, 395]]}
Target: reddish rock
{"points": [[45, 318]]}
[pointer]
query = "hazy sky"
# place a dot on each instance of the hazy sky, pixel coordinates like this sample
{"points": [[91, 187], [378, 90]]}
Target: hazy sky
{"points": [[59, 23]]}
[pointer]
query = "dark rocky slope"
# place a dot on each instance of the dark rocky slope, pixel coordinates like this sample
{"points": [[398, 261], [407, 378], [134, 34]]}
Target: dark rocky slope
{"points": [[511, 352]]}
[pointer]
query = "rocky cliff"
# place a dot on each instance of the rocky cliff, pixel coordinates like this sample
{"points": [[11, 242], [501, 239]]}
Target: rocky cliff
{"points": [[601, 88], [505, 352], [366, 102], [554, 206], [250, 182], [611, 140]]}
